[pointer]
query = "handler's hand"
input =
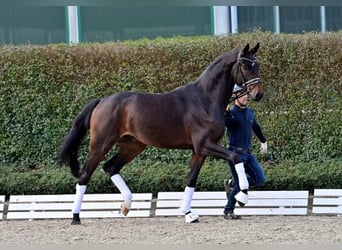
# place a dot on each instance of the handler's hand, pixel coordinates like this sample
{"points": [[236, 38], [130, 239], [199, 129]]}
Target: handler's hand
{"points": [[263, 147]]}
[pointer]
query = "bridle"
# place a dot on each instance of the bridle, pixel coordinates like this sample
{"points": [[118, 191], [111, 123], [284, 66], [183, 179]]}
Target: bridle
{"points": [[247, 86]]}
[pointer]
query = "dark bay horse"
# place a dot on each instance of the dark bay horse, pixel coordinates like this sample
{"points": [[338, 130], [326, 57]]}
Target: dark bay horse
{"points": [[134, 120]]}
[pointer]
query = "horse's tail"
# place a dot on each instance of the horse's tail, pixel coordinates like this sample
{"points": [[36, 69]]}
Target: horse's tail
{"points": [[68, 151]]}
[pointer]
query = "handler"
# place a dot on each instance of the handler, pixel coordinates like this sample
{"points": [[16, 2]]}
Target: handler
{"points": [[240, 122]]}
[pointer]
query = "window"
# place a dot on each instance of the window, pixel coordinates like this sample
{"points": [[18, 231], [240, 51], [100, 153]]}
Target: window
{"points": [[111, 24], [300, 19], [334, 18], [35, 25], [251, 18]]}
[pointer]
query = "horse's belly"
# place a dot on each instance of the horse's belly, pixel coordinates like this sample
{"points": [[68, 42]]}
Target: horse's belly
{"points": [[164, 137], [172, 145]]}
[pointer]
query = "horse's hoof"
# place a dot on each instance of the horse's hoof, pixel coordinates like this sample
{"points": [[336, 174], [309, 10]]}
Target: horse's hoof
{"points": [[75, 222], [241, 204], [191, 218], [242, 198], [124, 209], [194, 221], [76, 219]]}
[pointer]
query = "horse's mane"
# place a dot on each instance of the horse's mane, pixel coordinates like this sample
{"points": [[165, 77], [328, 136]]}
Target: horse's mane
{"points": [[227, 58]]}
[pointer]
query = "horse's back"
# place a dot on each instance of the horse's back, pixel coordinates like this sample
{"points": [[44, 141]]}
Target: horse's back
{"points": [[153, 119]]}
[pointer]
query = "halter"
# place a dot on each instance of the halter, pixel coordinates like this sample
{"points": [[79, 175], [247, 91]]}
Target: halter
{"points": [[246, 84]]}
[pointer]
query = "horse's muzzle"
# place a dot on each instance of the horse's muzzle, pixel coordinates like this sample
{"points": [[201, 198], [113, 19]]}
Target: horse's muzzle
{"points": [[257, 92]]}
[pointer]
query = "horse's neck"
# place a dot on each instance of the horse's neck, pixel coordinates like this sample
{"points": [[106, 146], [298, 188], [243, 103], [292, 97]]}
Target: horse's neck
{"points": [[218, 87]]}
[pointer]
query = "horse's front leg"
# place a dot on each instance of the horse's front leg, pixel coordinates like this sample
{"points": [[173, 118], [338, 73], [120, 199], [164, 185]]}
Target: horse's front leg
{"points": [[218, 151], [195, 167]]}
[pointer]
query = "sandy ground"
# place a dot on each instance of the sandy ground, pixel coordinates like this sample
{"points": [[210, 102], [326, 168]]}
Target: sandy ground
{"points": [[173, 230]]}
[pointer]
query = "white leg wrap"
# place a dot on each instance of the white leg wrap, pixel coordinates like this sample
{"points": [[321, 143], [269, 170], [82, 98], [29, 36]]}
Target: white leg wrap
{"points": [[186, 203], [80, 190], [243, 182], [124, 190], [242, 197]]}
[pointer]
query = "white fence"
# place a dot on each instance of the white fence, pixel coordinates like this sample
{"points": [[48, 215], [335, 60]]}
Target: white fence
{"points": [[324, 201]]}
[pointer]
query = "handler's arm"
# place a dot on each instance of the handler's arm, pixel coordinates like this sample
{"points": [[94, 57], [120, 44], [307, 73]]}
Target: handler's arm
{"points": [[258, 132]]}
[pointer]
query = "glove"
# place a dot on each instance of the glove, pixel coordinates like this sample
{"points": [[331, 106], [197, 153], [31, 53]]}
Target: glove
{"points": [[263, 147]]}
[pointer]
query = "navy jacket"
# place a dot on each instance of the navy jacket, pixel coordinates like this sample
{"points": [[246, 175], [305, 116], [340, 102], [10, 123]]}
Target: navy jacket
{"points": [[240, 124]]}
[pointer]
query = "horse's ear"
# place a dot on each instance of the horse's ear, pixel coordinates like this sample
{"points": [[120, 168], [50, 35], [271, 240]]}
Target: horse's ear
{"points": [[245, 50], [255, 49]]}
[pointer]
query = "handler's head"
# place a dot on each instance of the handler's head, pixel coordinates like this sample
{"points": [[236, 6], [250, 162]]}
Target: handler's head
{"points": [[242, 99]]}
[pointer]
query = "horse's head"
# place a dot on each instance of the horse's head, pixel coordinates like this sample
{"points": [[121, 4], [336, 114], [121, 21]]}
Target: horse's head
{"points": [[247, 73]]}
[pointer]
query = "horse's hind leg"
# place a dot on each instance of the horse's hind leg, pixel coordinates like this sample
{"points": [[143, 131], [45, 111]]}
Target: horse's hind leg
{"points": [[99, 146], [128, 150], [92, 162]]}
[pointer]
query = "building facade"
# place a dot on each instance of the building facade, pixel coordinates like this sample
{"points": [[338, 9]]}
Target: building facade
{"points": [[74, 24]]}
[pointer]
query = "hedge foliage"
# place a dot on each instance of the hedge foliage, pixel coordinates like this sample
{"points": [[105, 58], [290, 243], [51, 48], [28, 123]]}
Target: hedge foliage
{"points": [[162, 177], [42, 88]]}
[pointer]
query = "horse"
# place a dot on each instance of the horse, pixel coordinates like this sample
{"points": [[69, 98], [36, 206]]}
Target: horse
{"points": [[135, 120]]}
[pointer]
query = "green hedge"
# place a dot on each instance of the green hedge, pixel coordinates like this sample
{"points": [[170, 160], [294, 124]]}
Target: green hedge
{"points": [[161, 177], [44, 87]]}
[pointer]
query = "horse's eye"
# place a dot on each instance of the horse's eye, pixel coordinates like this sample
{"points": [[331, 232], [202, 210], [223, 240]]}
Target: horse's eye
{"points": [[247, 65], [250, 64]]}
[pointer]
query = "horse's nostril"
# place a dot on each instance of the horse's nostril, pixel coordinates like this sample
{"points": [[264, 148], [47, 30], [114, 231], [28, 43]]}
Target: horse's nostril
{"points": [[259, 96]]}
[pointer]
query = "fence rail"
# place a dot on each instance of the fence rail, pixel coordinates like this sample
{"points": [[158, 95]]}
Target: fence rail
{"points": [[324, 201]]}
